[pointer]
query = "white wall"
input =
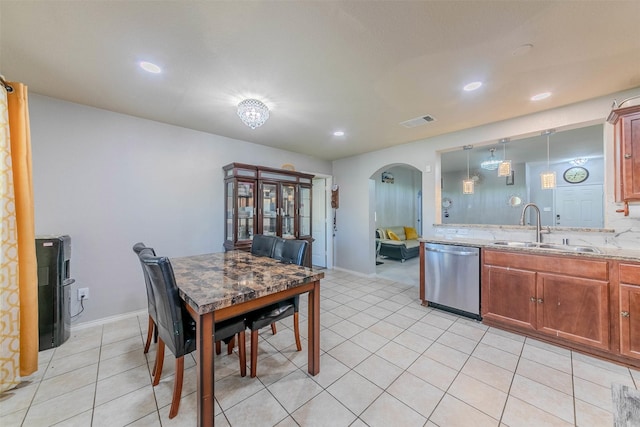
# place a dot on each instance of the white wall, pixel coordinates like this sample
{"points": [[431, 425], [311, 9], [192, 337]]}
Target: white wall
{"points": [[355, 226], [110, 180]]}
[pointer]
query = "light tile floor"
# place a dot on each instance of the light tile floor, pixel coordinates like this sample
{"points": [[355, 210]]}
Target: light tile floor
{"points": [[386, 361]]}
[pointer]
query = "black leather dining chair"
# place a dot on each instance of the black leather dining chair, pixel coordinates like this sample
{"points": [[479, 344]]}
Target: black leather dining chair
{"points": [[290, 252], [176, 328], [262, 245], [151, 304]]}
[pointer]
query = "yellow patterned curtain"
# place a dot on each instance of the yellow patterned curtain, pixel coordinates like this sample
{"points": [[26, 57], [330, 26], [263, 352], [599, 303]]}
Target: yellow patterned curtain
{"points": [[18, 267]]}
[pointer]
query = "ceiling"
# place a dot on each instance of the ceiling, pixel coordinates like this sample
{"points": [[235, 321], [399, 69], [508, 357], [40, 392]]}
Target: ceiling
{"points": [[356, 66]]}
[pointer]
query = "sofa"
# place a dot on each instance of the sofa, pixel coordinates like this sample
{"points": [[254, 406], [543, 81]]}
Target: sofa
{"points": [[397, 242]]}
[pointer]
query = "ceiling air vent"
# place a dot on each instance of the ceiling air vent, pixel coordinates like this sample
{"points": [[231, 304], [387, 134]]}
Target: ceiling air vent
{"points": [[418, 121]]}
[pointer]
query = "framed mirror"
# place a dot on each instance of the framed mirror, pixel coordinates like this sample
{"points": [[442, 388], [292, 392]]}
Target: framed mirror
{"points": [[581, 147]]}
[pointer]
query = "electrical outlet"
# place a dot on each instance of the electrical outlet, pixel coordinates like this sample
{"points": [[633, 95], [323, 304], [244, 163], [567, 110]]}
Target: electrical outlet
{"points": [[83, 293]]}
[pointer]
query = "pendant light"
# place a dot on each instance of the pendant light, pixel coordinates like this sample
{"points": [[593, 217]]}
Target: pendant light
{"points": [[504, 168], [467, 184], [548, 178], [491, 163]]}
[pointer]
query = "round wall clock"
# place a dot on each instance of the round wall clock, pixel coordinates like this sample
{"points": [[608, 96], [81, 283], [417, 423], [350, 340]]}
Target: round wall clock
{"points": [[575, 175]]}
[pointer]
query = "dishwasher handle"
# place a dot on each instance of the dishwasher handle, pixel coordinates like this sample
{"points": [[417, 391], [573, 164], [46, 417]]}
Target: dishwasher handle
{"points": [[462, 253]]}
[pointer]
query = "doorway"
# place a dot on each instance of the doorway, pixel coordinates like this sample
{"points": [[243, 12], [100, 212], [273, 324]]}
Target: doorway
{"points": [[396, 201]]}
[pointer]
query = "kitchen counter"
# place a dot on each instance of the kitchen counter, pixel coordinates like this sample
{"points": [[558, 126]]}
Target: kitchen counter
{"points": [[604, 252]]}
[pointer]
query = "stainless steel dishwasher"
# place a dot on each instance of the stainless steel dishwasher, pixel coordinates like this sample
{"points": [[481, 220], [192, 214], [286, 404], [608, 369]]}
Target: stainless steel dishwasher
{"points": [[452, 278]]}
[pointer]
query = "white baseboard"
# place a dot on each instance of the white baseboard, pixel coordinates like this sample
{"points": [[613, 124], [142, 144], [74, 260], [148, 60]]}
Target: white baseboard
{"points": [[108, 319], [355, 273]]}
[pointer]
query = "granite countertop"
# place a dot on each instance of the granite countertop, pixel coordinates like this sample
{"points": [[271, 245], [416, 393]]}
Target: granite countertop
{"points": [[213, 281], [604, 252]]}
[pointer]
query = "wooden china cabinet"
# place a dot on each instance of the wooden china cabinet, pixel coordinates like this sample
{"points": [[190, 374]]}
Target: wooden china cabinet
{"points": [[627, 158], [262, 200]]}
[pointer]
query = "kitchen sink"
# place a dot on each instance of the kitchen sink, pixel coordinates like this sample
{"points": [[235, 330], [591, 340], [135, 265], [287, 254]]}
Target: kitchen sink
{"points": [[515, 244], [548, 246], [569, 248]]}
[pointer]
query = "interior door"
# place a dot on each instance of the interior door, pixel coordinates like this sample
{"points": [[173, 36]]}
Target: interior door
{"points": [[579, 206], [319, 222]]}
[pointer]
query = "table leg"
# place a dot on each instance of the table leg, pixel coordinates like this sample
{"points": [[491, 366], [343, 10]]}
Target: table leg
{"points": [[204, 362], [314, 329]]}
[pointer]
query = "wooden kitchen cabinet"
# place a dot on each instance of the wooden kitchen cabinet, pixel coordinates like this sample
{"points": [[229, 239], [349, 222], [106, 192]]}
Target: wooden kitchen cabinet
{"points": [[562, 298], [627, 154], [262, 200], [574, 309], [629, 278], [507, 296]]}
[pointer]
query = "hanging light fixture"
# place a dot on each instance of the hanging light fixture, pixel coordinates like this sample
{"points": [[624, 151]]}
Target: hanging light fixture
{"points": [[548, 178], [580, 161], [491, 163], [253, 113], [467, 184], [504, 168]]}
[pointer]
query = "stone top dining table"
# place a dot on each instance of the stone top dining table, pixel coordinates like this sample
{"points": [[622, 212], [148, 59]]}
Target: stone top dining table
{"points": [[219, 286]]}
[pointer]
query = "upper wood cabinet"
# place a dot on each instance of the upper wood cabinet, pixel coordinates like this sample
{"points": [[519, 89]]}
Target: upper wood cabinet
{"points": [[627, 154], [262, 200]]}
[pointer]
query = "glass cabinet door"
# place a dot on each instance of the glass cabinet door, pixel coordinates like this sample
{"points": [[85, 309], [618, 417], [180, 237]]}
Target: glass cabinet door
{"points": [[305, 212], [288, 214], [269, 209], [229, 204], [245, 210]]}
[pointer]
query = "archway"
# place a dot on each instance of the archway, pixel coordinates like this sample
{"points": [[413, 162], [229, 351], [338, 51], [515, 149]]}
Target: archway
{"points": [[396, 199]]}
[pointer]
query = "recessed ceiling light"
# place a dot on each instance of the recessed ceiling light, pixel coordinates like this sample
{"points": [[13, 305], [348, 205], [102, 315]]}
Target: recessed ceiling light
{"points": [[338, 133], [150, 67], [540, 96], [472, 86]]}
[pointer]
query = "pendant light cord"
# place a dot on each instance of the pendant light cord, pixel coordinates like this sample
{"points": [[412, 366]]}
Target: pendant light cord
{"points": [[547, 151]]}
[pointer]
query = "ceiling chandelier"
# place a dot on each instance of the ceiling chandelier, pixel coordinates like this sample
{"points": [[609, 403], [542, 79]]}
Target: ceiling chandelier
{"points": [[580, 161], [491, 163], [253, 113]]}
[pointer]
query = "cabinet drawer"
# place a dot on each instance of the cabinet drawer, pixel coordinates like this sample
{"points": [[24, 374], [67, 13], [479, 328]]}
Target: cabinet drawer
{"points": [[570, 266], [629, 274]]}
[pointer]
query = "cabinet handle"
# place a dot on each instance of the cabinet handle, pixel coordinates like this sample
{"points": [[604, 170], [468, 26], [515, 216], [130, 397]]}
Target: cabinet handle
{"points": [[540, 301], [624, 313], [625, 210], [532, 299], [627, 156]]}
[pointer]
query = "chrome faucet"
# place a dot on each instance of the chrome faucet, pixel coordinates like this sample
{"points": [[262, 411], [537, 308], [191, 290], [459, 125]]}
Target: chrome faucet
{"points": [[538, 226]]}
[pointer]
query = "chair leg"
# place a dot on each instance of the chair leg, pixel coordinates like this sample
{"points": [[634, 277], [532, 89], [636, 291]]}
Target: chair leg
{"points": [[231, 344], [242, 352], [177, 387], [218, 347], [157, 371], [273, 328], [150, 330], [254, 352], [296, 331]]}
